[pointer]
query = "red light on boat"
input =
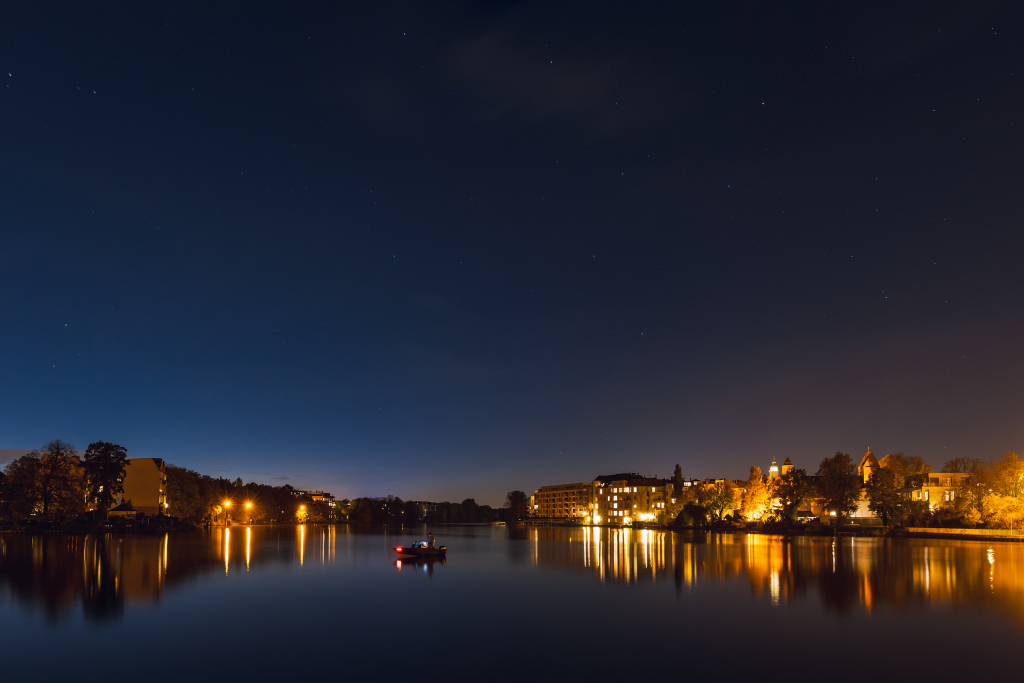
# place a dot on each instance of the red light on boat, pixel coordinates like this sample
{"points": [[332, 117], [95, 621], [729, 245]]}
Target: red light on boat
{"points": [[399, 548]]}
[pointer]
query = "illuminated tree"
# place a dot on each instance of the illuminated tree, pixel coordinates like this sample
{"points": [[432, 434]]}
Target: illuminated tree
{"points": [[1005, 511], [717, 498], [59, 480], [1005, 476], [903, 466], [758, 492]]}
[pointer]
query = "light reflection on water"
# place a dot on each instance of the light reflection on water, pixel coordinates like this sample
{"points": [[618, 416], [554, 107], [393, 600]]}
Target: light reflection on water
{"points": [[271, 590], [845, 572], [104, 572]]}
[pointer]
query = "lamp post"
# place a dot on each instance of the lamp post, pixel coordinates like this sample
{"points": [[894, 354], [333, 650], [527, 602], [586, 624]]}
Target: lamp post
{"points": [[227, 504], [248, 509]]}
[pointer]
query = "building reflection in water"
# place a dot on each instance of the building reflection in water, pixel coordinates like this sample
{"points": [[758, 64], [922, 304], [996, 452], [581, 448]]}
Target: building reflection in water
{"points": [[103, 572], [843, 573]]}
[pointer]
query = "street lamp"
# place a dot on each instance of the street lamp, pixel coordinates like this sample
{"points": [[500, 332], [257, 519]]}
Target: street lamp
{"points": [[248, 509], [227, 504]]}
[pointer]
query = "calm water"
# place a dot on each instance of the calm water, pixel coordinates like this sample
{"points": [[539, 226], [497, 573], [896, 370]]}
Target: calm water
{"points": [[524, 604]]}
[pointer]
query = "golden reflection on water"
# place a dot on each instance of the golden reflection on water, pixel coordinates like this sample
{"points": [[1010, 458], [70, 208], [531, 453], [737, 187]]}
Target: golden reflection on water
{"points": [[844, 572], [227, 549], [104, 571]]}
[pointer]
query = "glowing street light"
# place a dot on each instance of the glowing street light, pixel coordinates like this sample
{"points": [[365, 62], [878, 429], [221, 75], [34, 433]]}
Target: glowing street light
{"points": [[227, 504], [248, 509]]}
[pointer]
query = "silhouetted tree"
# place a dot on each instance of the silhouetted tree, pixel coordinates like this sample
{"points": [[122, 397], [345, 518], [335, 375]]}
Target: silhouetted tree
{"points": [[105, 464], [693, 514], [884, 497], [964, 465], [793, 490], [22, 489], [183, 494], [677, 482], [518, 506], [469, 510], [838, 485]]}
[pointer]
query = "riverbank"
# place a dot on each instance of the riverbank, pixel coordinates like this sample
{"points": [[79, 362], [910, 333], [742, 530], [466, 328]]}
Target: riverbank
{"points": [[814, 529], [116, 527]]}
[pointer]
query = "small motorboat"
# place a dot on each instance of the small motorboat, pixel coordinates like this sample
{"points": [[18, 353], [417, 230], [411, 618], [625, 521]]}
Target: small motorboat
{"points": [[420, 549]]}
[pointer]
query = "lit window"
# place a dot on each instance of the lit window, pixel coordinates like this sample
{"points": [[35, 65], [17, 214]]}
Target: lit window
{"points": [[615, 505]]}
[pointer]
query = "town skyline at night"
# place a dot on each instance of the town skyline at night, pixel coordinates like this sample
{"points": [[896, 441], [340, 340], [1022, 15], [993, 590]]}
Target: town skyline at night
{"points": [[453, 252]]}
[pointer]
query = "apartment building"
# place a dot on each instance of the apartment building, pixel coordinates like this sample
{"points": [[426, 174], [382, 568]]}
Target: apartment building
{"points": [[935, 488], [145, 485], [563, 501], [628, 498]]}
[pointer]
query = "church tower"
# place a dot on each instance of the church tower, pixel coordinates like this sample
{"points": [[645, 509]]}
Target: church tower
{"points": [[773, 471], [867, 466]]}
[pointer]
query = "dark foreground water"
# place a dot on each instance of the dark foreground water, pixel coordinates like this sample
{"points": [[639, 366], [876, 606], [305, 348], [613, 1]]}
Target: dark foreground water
{"points": [[535, 604]]}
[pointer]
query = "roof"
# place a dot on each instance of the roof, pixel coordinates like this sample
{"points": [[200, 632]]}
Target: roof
{"points": [[123, 507], [622, 476], [869, 460], [788, 462]]}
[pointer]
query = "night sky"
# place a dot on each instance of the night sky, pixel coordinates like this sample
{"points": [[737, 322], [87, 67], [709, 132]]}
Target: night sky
{"points": [[449, 251]]}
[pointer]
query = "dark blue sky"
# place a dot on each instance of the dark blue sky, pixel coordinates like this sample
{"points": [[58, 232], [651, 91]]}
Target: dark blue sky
{"points": [[449, 252]]}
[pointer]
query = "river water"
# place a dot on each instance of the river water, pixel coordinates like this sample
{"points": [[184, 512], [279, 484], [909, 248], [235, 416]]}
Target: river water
{"points": [[536, 603]]}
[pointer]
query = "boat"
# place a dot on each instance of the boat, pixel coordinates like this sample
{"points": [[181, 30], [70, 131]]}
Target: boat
{"points": [[420, 549]]}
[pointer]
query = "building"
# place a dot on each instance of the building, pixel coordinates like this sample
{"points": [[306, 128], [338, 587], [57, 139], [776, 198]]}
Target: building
{"points": [[867, 467], [321, 497], [123, 511], [626, 498], [145, 485], [787, 467], [935, 488], [563, 501]]}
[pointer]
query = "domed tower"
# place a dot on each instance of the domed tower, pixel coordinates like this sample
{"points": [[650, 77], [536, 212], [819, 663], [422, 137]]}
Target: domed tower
{"points": [[773, 471]]}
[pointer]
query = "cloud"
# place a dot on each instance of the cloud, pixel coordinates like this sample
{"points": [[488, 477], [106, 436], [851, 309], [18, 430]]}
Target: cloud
{"points": [[600, 90], [442, 365]]}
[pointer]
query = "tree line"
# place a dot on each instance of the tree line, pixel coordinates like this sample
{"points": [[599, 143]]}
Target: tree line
{"points": [[992, 495], [54, 485]]}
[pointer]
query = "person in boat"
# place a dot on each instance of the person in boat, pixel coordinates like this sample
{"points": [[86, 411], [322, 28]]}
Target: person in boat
{"points": [[430, 541]]}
